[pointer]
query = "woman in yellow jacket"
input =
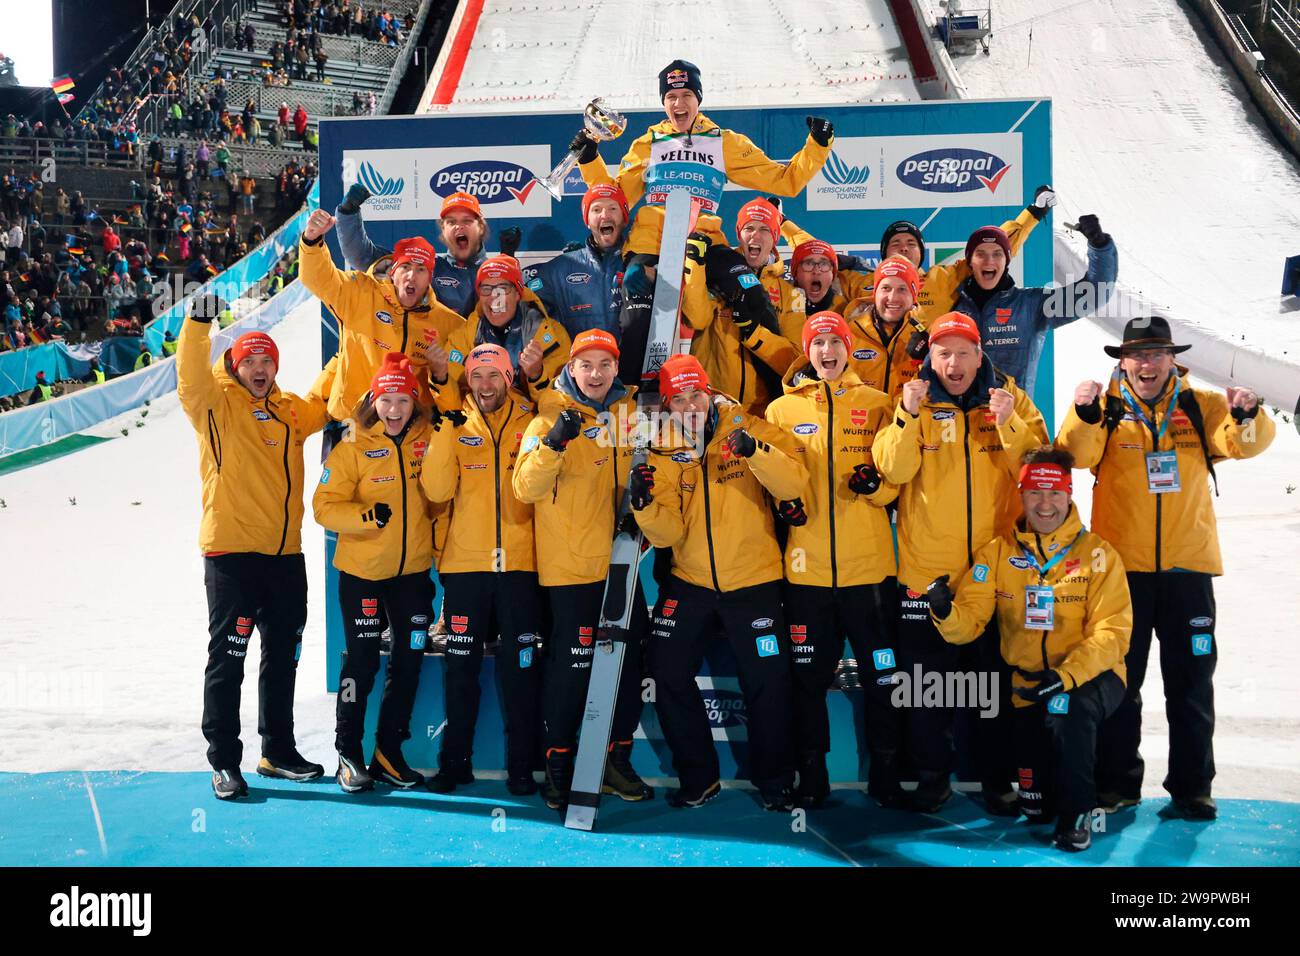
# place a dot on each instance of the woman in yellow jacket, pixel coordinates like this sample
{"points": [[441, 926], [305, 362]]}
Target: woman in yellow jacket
{"points": [[572, 468], [369, 493], [889, 343], [488, 570], [1061, 600], [706, 496], [840, 569]]}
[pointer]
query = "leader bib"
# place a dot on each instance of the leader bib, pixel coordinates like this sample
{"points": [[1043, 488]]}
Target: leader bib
{"points": [[694, 163]]}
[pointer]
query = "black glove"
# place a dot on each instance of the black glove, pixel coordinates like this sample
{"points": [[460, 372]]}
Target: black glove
{"points": [[821, 130], [1240, 415], [939, 596], [641, 483], [775, 201], [865, 480], [584, 146], [741, 443], [1049, 685], [510, 239], [725, 269], [379, 514], [697, 247], [351, 204], [754, 308], [792, 512], [572, 246], [918, 345], [437, 416], [1091, 229], [1044, 199], [565, 430], [205, 308], [845, 263]]}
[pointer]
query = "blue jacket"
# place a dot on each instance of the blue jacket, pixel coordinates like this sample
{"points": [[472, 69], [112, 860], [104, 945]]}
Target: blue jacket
{"points": [[1014, 321], [453, 283], [581, 289]]}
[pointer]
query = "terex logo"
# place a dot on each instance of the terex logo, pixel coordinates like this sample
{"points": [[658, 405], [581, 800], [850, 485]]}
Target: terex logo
{"points": [[378, 185], [953, 170], [488, 180]]}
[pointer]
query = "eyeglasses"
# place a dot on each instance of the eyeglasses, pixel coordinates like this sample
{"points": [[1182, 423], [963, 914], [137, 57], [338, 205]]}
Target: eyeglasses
{"points": [[497, 289], [815, 265]]}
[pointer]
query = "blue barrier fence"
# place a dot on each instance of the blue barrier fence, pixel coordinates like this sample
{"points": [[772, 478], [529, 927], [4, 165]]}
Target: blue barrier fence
{"points": [[61, 361]]}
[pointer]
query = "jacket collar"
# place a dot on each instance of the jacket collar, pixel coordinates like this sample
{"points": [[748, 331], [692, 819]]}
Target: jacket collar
{"points": [[1050, 543], [986, 377], [573, 396], [802, 379]]}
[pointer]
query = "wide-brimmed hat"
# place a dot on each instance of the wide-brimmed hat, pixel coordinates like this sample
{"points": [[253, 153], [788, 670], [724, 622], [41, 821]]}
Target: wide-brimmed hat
{"points": [[1145, 332]]}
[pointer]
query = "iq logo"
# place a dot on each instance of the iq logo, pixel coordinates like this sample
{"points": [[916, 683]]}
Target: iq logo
{"points": [[525, 658], [981, 573], [417, 640], [1060, 704], [767, 646], [953, 170], [883, 659], [1202, 644]]}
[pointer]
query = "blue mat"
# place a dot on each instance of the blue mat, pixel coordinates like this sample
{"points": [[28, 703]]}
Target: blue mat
{"points": [[172, 819]]}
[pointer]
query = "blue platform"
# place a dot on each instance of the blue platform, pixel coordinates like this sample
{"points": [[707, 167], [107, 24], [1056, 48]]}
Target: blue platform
{"points": [[172, 819]]}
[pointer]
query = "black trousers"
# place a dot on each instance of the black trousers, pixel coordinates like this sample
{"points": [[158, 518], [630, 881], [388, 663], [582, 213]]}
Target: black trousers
{"points": [[754, 624], [819, 620], [928, 730], [1057, 751], [1179, 607], [575, 620], [244, 591], [407, 601], [478, 607]]}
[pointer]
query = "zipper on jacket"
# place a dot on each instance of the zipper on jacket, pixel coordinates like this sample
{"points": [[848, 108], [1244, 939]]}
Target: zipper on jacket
{"points": [[741, 355], [1042, 579], [708, 521], [496, 466], [970, 550], [288, 481], [830, 478], [214, 439], [406, 315], [401, 476]]}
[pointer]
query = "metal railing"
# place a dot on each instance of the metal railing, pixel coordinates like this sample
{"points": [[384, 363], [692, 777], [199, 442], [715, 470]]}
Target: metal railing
{"points": [[1285, 24], [82, 152], [404, 59]]}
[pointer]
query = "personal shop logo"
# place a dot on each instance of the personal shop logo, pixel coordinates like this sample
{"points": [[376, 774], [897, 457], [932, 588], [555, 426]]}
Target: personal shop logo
{"points": [[953, 169], [487, 180]]}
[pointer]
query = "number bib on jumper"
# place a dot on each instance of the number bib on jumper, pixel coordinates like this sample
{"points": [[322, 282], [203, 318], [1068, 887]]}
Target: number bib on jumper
{"points": [[1162, 472], [1039, 603], [698, 168]]}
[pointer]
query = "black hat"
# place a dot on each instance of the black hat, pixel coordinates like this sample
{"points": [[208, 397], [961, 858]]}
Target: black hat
{"points": [[902, 226], [680, 75], [1145, 333]]}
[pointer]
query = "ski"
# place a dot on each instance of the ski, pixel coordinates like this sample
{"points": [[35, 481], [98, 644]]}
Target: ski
{"points": [[666, 332]]}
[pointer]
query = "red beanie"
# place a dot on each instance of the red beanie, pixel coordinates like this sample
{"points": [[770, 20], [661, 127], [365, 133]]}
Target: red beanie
{"points": [[955, 323], [490, 356], [898, 267], [593, 339], [253, 343], [415, 250], [394, 377], [500, 267], [681, 373], [815, 247], [822, 323], [1045, 476], [604, 191], [759, 210], [988, 234]]}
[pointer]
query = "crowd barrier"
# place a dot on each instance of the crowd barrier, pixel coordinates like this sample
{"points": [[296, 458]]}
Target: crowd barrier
{"points": [[58, 361]]}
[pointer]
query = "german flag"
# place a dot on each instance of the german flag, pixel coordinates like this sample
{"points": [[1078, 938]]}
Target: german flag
{"points": [[62, 84], [76, 250]]}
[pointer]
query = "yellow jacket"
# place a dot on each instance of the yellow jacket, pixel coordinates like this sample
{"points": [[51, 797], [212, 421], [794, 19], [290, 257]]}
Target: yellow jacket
{"points": [[882, 365], [957, 471], [250, 452], [746, 165], [847, 540], [1092, 613], [939, 285], [371, 323], [575, 493], [550, 336], [715, 512], [1157, 532], [358, 474], [489, 528]]}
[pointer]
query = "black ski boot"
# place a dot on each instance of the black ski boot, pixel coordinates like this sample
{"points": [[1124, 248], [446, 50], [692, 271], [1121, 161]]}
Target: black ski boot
{"points": [[1073, 833], [521, 783], [351, 774], [882, 782], [621, 779], [559, 777], [451, 774], [778, 801], [390, 767], [814, 780], [682, 798], [929, 796], [229, 784], [289, 766], [1196, 808]]}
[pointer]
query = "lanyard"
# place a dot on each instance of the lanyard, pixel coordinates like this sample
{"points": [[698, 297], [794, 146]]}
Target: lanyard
{"points": [[1042, 569], [1137, 410]]}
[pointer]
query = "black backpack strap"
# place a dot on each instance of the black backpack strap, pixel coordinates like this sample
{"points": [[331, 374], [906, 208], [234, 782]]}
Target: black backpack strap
{"points": [[1192, 408], [1111, 416]]}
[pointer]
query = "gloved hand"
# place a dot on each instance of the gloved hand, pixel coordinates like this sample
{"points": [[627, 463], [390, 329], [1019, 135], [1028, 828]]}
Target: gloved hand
{"points": [[844, 263], [1091, 229], [775, 201], [379, 514], [821, 130], [572, 246], [918, 345], [697, 247], [792, 512], [754, 308], [586, 147], [741, 443], [351, 204], [865, 480], [1087, 402], [727, 272], [566, 428], [939, 596], [635, 280], [1049, 684], [1044, 199], [438, 417], [205, 308], [510, 239], [641, 484]]}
